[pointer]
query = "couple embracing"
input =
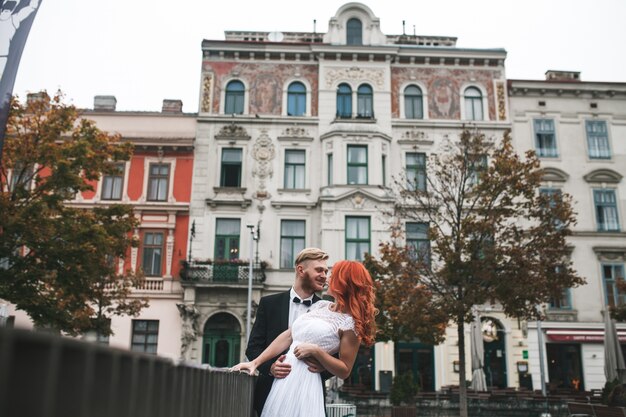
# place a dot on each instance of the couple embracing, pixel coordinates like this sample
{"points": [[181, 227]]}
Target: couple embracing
{"points": [[320, 337]]}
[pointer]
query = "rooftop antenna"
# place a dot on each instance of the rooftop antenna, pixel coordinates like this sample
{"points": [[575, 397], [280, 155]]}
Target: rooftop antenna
{"points": [[314, 23], [403, 31]]}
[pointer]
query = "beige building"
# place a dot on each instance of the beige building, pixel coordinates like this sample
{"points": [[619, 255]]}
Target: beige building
{"points": [[578, 128]]}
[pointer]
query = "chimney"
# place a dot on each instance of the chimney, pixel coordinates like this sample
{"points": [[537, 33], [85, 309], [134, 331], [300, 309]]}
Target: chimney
{"points": [[569, 76], [104, 103], [172, 106]]}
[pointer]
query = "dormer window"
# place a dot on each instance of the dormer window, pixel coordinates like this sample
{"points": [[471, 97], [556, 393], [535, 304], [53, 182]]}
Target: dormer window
{"points": [[354, 32]]}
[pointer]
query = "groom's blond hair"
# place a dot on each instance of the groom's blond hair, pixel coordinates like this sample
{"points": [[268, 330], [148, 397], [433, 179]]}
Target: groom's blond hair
{"points": [[310, 254]]}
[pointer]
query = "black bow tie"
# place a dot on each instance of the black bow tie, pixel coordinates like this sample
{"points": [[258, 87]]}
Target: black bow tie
{"points": [[305, 302]]}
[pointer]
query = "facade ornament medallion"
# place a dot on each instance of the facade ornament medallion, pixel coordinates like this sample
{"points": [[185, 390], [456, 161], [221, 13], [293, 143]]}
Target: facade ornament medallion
{"points": [[375, 76], [263, 152], [295, 132], [357, 201]]}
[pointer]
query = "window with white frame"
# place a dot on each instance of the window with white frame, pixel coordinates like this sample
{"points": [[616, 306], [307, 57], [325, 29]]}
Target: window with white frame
{"points": [[158, 182], [295, 169], [145, 336], [607, 218], [230, 175], [296, 99], [113, 183], [365, 102], [545, 138], [597, 139], [354, 32], [612, 273], [357, 237], [292, 238], [152, 254], [234, 97], [357, 164], [344, 101], [413, 102], [473, 104], [416, 171], [329, 174], [417, 241]]}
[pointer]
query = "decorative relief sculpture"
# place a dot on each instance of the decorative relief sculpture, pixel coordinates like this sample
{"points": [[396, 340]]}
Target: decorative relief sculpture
{"points": [[501, 101], [263, 153], [296, 132], [207, 92], [233, 130], [190, 329], [414, 135], [374, 76]]}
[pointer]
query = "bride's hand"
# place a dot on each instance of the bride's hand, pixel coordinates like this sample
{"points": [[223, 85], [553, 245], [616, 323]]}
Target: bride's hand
{"points": [[250, 367], [305, 350]]}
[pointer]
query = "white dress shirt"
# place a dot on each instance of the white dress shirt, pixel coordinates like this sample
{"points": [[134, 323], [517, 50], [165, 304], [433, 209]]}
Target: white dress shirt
{"points": [[295, 309]]}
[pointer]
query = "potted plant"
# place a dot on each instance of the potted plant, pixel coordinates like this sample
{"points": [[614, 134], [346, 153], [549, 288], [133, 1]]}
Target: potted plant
{"points": [[402, 395]]}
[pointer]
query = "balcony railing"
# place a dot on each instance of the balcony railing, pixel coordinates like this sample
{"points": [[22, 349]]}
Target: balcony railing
{"points": [[221, 273]]}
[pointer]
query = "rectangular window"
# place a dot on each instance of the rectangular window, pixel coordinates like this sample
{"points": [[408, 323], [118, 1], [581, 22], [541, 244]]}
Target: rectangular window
{"points": [[291, 241], [417, 241], [357, 164], [113, 183], [545, 138], [357, 237], [416, 171], [21, 176], [145, 336], [611, 275], [231, 168], [476, 168], [597, 139], [606, 210], [330, 169], [227, 239], [555, 195], [561, 303], [294, 169], [152, 253], [158, 181]]}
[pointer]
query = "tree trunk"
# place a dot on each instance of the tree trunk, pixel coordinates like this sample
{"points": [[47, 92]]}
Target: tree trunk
{"points": [[462, 386]]}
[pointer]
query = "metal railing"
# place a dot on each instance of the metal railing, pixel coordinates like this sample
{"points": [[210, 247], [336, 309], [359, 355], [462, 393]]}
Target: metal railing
{"points": [[221, 273], [43, 375]]}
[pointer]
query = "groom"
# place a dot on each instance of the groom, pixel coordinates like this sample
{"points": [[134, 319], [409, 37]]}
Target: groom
{"points": [[277, 312]]}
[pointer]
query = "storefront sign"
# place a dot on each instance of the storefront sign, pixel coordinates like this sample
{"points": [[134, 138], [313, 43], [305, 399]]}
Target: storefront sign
{"points": [[580, 336]]}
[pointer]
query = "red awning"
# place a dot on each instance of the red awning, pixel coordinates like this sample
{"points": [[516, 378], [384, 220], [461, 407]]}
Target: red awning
{"points": [[581, 336]]}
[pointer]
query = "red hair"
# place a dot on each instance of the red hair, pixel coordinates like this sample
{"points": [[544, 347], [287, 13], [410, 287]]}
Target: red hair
{"points": [[353, 290]]}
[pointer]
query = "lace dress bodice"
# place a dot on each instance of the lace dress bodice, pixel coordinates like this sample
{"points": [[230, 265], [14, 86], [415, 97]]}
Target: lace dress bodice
{"points": [[321, 326]]}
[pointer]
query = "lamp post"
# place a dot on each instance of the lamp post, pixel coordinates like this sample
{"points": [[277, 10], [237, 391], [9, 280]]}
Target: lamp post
{"points": [[250, 272], [542, 371]]}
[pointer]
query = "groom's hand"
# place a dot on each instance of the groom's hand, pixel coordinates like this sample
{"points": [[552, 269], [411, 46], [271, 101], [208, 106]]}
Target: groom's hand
{"points": [[280, 369], [314, 365]]}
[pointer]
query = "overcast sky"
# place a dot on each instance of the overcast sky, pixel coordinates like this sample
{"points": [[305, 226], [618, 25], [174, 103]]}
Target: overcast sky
{"points": [[143, 51]]}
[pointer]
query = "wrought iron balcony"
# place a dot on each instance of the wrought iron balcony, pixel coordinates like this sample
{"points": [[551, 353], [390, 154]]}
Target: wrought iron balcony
{"points": [[235, 272]]}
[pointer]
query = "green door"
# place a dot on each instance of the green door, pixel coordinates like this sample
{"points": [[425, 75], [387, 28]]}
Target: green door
{"points": [[221, 341]]}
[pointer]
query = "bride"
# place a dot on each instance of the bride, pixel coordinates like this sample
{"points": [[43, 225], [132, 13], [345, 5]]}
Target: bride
{"points": [[328, 328]]}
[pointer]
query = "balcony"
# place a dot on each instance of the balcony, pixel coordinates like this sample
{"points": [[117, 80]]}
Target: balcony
{"points": [[235, 272]]}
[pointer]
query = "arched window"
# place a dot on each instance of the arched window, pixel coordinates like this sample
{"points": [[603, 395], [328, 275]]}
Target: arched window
{"points": [[365, 102], [413, 103], [296, 99], [235, 94], [354, 32], [344, 101], [473, 104]]}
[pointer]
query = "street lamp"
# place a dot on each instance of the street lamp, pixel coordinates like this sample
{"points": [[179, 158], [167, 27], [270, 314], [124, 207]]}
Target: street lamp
{"points": [[250, 272]]}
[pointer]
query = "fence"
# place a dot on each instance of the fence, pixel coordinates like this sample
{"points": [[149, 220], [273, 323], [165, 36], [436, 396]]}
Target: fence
{"points": [[340, 410], [43, 375]]}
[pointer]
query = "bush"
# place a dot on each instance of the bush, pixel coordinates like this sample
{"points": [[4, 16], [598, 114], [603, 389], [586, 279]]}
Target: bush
{"points": [[403, 389]]}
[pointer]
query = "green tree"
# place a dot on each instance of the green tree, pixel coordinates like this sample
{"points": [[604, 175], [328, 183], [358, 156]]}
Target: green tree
{"points": [[57, 260], [494, 236]]}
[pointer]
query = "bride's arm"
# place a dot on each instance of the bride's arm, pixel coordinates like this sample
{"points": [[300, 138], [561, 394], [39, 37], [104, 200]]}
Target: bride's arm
{"points": [[342, 366], [279, 345]]}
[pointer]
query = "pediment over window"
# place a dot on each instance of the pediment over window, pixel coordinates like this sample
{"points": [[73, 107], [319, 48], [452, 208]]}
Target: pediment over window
{"points": [[610, 253], [603, 175], [554, 175]]}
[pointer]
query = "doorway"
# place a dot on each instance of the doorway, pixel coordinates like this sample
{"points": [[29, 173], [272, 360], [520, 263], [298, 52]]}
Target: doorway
{"points": [[221, 342]]}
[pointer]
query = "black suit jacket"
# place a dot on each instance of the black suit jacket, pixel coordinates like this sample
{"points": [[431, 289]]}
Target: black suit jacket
{"points": [[272, 318]]}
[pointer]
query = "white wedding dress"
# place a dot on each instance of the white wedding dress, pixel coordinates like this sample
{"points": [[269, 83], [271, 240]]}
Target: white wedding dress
{"points": [[300, 394]]}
